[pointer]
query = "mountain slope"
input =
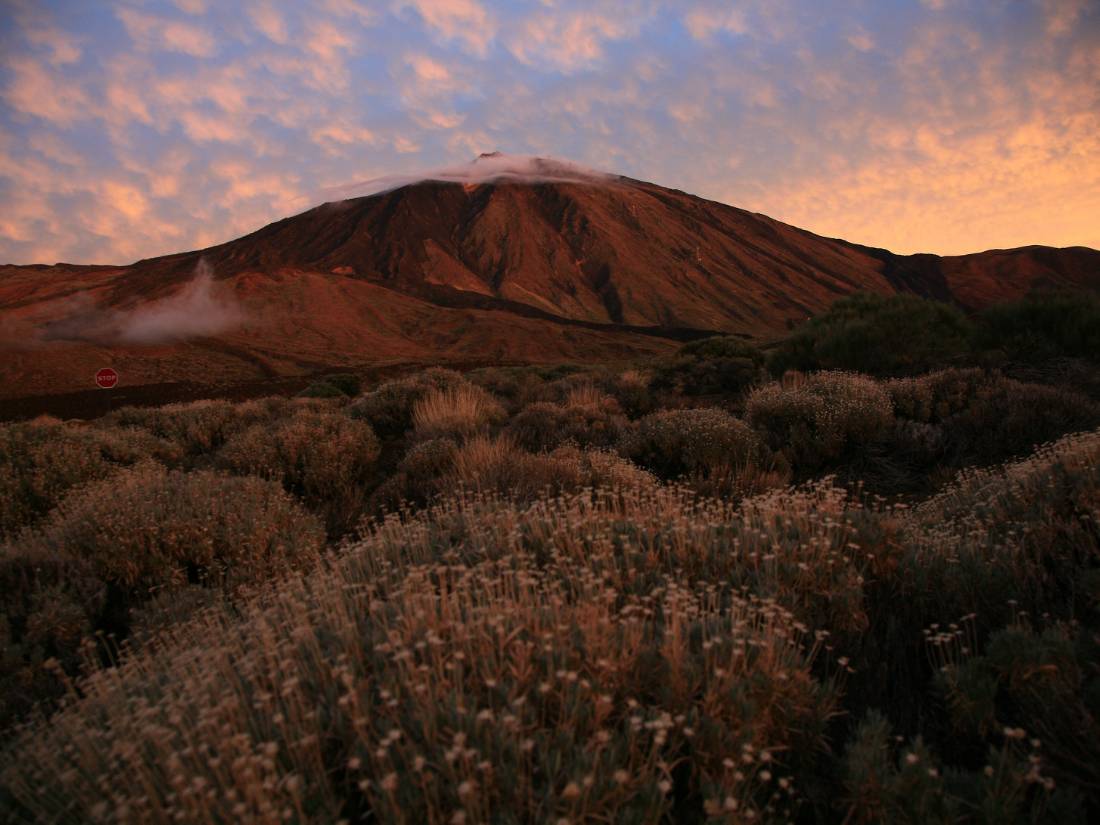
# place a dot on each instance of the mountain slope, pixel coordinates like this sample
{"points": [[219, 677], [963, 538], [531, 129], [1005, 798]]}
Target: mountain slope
{"points": [[605, 267]]}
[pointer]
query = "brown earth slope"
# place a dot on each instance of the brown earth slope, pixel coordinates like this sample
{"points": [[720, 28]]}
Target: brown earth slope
{"points": [[606, 268]]}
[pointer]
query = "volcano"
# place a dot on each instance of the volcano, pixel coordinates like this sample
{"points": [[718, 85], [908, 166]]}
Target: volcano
{"points": [[508, 260]]}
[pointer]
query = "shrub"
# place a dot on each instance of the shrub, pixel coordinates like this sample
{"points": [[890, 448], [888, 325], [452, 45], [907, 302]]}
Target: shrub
{"points": [[1044, 324], [712, 450], [416, 479], [885, 782], [587, 417], [933, 398], [720, 365], [325, 458], [51, 603], [515, 386], [497, 465], [896, 335], [198, 428], [500, 467], [631, 389], [346, 382], [460, 411], [42, 460], [416, 679], [389, 407], [818, 419], [147, 527], [321, 389], [1008, 418]]}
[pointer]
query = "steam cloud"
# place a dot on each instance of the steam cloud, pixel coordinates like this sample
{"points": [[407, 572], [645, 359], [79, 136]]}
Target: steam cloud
{"points": [[485, 169], [193, 312]]}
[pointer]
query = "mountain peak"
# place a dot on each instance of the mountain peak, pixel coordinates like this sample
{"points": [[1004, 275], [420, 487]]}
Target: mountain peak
{"points": [[488, 167]]}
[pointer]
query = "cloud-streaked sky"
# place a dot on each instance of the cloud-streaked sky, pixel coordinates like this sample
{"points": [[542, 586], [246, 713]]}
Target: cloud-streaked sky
{"points": [[130, 129]]}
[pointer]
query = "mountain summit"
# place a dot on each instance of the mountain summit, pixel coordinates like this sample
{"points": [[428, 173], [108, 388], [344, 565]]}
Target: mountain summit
{"points": [[508, 258]]}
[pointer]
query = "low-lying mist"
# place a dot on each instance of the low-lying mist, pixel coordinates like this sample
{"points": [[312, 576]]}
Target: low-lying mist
{"points": [[198, 309]]}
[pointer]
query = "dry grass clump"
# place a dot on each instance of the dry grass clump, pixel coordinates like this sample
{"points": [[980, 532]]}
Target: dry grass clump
{"points": [[817, 419], [476, 662], [42, 460], [148, 527], [498, 465], [460, 411], [325, 458], [389, 406]]}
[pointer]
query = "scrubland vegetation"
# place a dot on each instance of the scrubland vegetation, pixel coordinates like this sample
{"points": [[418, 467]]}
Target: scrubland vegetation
{"points": [[853, 578]]}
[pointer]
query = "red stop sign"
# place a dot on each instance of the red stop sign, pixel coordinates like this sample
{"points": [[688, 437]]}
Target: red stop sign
{"points": [[106, 378]]}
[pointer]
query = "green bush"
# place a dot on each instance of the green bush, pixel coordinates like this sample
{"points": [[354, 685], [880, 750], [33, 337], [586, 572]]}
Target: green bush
{"points": [[821, 418], [720, 365], [876, 335], [1045, 324]]}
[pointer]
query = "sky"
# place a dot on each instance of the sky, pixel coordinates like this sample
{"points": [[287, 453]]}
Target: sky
{"points": [[130, 129]]}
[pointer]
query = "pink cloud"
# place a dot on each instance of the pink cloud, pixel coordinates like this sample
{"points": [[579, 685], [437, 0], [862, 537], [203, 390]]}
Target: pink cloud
{"points": [[36, 90], [269, 21], [462, 20], [155, 33]]}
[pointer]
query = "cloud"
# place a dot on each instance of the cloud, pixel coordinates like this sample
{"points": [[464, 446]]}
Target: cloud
{"points": [[269, 21], [64, 48], [571, 40], [204, 127], [152, 32], [36, 90], [195, 7], [198, 309], [1062, 15], [705, 22], [489, 167], [466, 21]]}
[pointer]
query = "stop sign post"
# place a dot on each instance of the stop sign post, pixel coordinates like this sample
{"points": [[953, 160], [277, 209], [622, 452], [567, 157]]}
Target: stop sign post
{"points": [[106, 378]]}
